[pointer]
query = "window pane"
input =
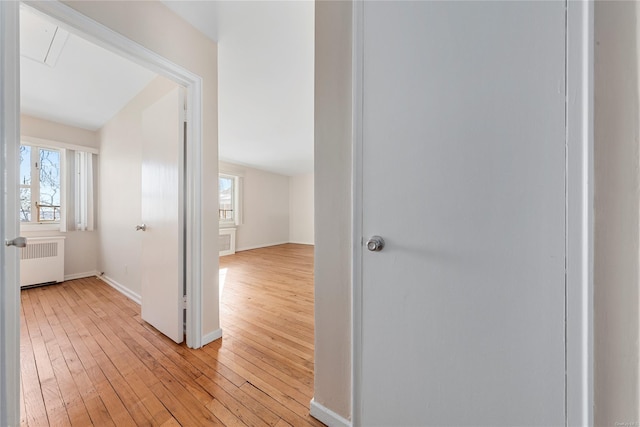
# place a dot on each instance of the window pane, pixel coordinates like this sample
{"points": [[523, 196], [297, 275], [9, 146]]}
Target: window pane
{"points": [[49, 206], [225, 189], [25, 204], [25, 165]]}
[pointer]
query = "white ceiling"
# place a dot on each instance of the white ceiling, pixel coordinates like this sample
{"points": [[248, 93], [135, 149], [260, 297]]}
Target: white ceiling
{"points": [[85, 87], [201, 14], [266, 54], [265, 80]]}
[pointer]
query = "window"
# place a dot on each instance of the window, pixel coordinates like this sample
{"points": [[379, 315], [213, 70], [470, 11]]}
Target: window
{"points": [[227, 194], [40, 190]]}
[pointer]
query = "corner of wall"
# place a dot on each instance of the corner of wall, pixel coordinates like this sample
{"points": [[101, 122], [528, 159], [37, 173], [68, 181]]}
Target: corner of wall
{"points": [[327, 416], [301, 209], [332, 210], [617, 214]]}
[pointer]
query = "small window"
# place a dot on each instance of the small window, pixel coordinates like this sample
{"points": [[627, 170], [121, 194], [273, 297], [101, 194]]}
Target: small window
{"points": [[39, 185], [227, 199]]}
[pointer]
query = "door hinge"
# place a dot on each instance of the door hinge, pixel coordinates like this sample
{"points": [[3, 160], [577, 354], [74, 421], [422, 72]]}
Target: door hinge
{"points": [[184, 302]]}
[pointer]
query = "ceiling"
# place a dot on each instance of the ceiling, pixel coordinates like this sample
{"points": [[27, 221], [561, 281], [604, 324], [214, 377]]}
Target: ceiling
{"points": [[85, 86], [265, 78]]}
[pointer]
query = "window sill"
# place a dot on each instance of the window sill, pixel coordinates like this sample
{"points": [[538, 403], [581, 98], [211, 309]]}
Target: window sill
{"points": [[227, 225], [39, 227]]}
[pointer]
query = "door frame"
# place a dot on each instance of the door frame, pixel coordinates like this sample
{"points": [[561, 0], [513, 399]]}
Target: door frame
{"points": [[115, 42], [579, 183], [121, 45]]}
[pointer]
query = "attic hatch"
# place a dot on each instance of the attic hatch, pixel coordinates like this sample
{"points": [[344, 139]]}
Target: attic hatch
{"points": [[40, 39]]}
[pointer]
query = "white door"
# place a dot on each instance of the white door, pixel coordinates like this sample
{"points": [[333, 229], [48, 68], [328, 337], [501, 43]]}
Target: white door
{"points": [[9, 228], [162, 237], [463, 142]]}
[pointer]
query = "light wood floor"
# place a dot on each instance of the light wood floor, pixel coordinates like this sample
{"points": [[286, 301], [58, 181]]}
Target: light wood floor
{"points": [[88, 359]]}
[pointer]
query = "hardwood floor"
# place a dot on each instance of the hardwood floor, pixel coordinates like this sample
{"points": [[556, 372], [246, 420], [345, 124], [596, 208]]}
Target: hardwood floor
{"points": [[87, 358]]}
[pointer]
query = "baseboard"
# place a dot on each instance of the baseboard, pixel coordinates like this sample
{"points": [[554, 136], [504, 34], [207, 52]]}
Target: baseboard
{"points": [[80, 275], [301, 243], [123, 290], [208, 338], [266, 245], [327, 416], [212, 336]]}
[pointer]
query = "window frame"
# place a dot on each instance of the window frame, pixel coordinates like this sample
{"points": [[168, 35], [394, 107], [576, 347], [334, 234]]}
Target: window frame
{"points": [[35, 148], [62, 147], [235, 201]]}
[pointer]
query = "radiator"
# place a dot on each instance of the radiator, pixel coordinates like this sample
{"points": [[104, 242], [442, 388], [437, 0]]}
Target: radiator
{"points": [[42, 261], [227, 244]]}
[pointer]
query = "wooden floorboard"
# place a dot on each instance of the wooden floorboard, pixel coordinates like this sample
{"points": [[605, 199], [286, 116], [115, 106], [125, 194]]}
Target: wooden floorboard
{"points": [[87, 357]]}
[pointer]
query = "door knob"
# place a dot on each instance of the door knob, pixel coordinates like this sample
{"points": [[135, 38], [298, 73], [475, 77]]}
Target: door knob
{"points": [[18, 242], [141, 227], [375, 244]]}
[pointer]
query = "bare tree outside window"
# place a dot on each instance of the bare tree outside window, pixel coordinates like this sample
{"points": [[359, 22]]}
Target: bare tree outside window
{"points": [[39, 184], [49, 205]]}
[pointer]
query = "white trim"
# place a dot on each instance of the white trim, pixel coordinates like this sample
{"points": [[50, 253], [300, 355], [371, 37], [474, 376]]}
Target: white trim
{"points": [[301, 243], [41, 226], [356, 208], [327, 416], [193, 215], [50, 143], [101, 35], [9, 270], [227, 226], [122, 289], [212, 336], [265, 245], [579, 214], [75, 276]]}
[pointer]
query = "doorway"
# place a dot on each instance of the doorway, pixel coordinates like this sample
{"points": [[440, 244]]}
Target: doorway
{"points": [[266, 167], [88, 30], [81, 101], [83, 24]]}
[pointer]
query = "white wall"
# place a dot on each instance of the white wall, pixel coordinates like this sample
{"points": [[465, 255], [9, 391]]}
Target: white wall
{"points": [[155, 27], [301, 209], [266, 84], [265, 207], [617, 214], [120, 192], [81, 247], [332, 384], [45, 129], [275, 208]]}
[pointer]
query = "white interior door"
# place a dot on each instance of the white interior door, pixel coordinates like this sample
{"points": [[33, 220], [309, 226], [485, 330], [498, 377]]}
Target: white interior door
{"points": [[9, 227], [162, 207], [463, 163]]}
